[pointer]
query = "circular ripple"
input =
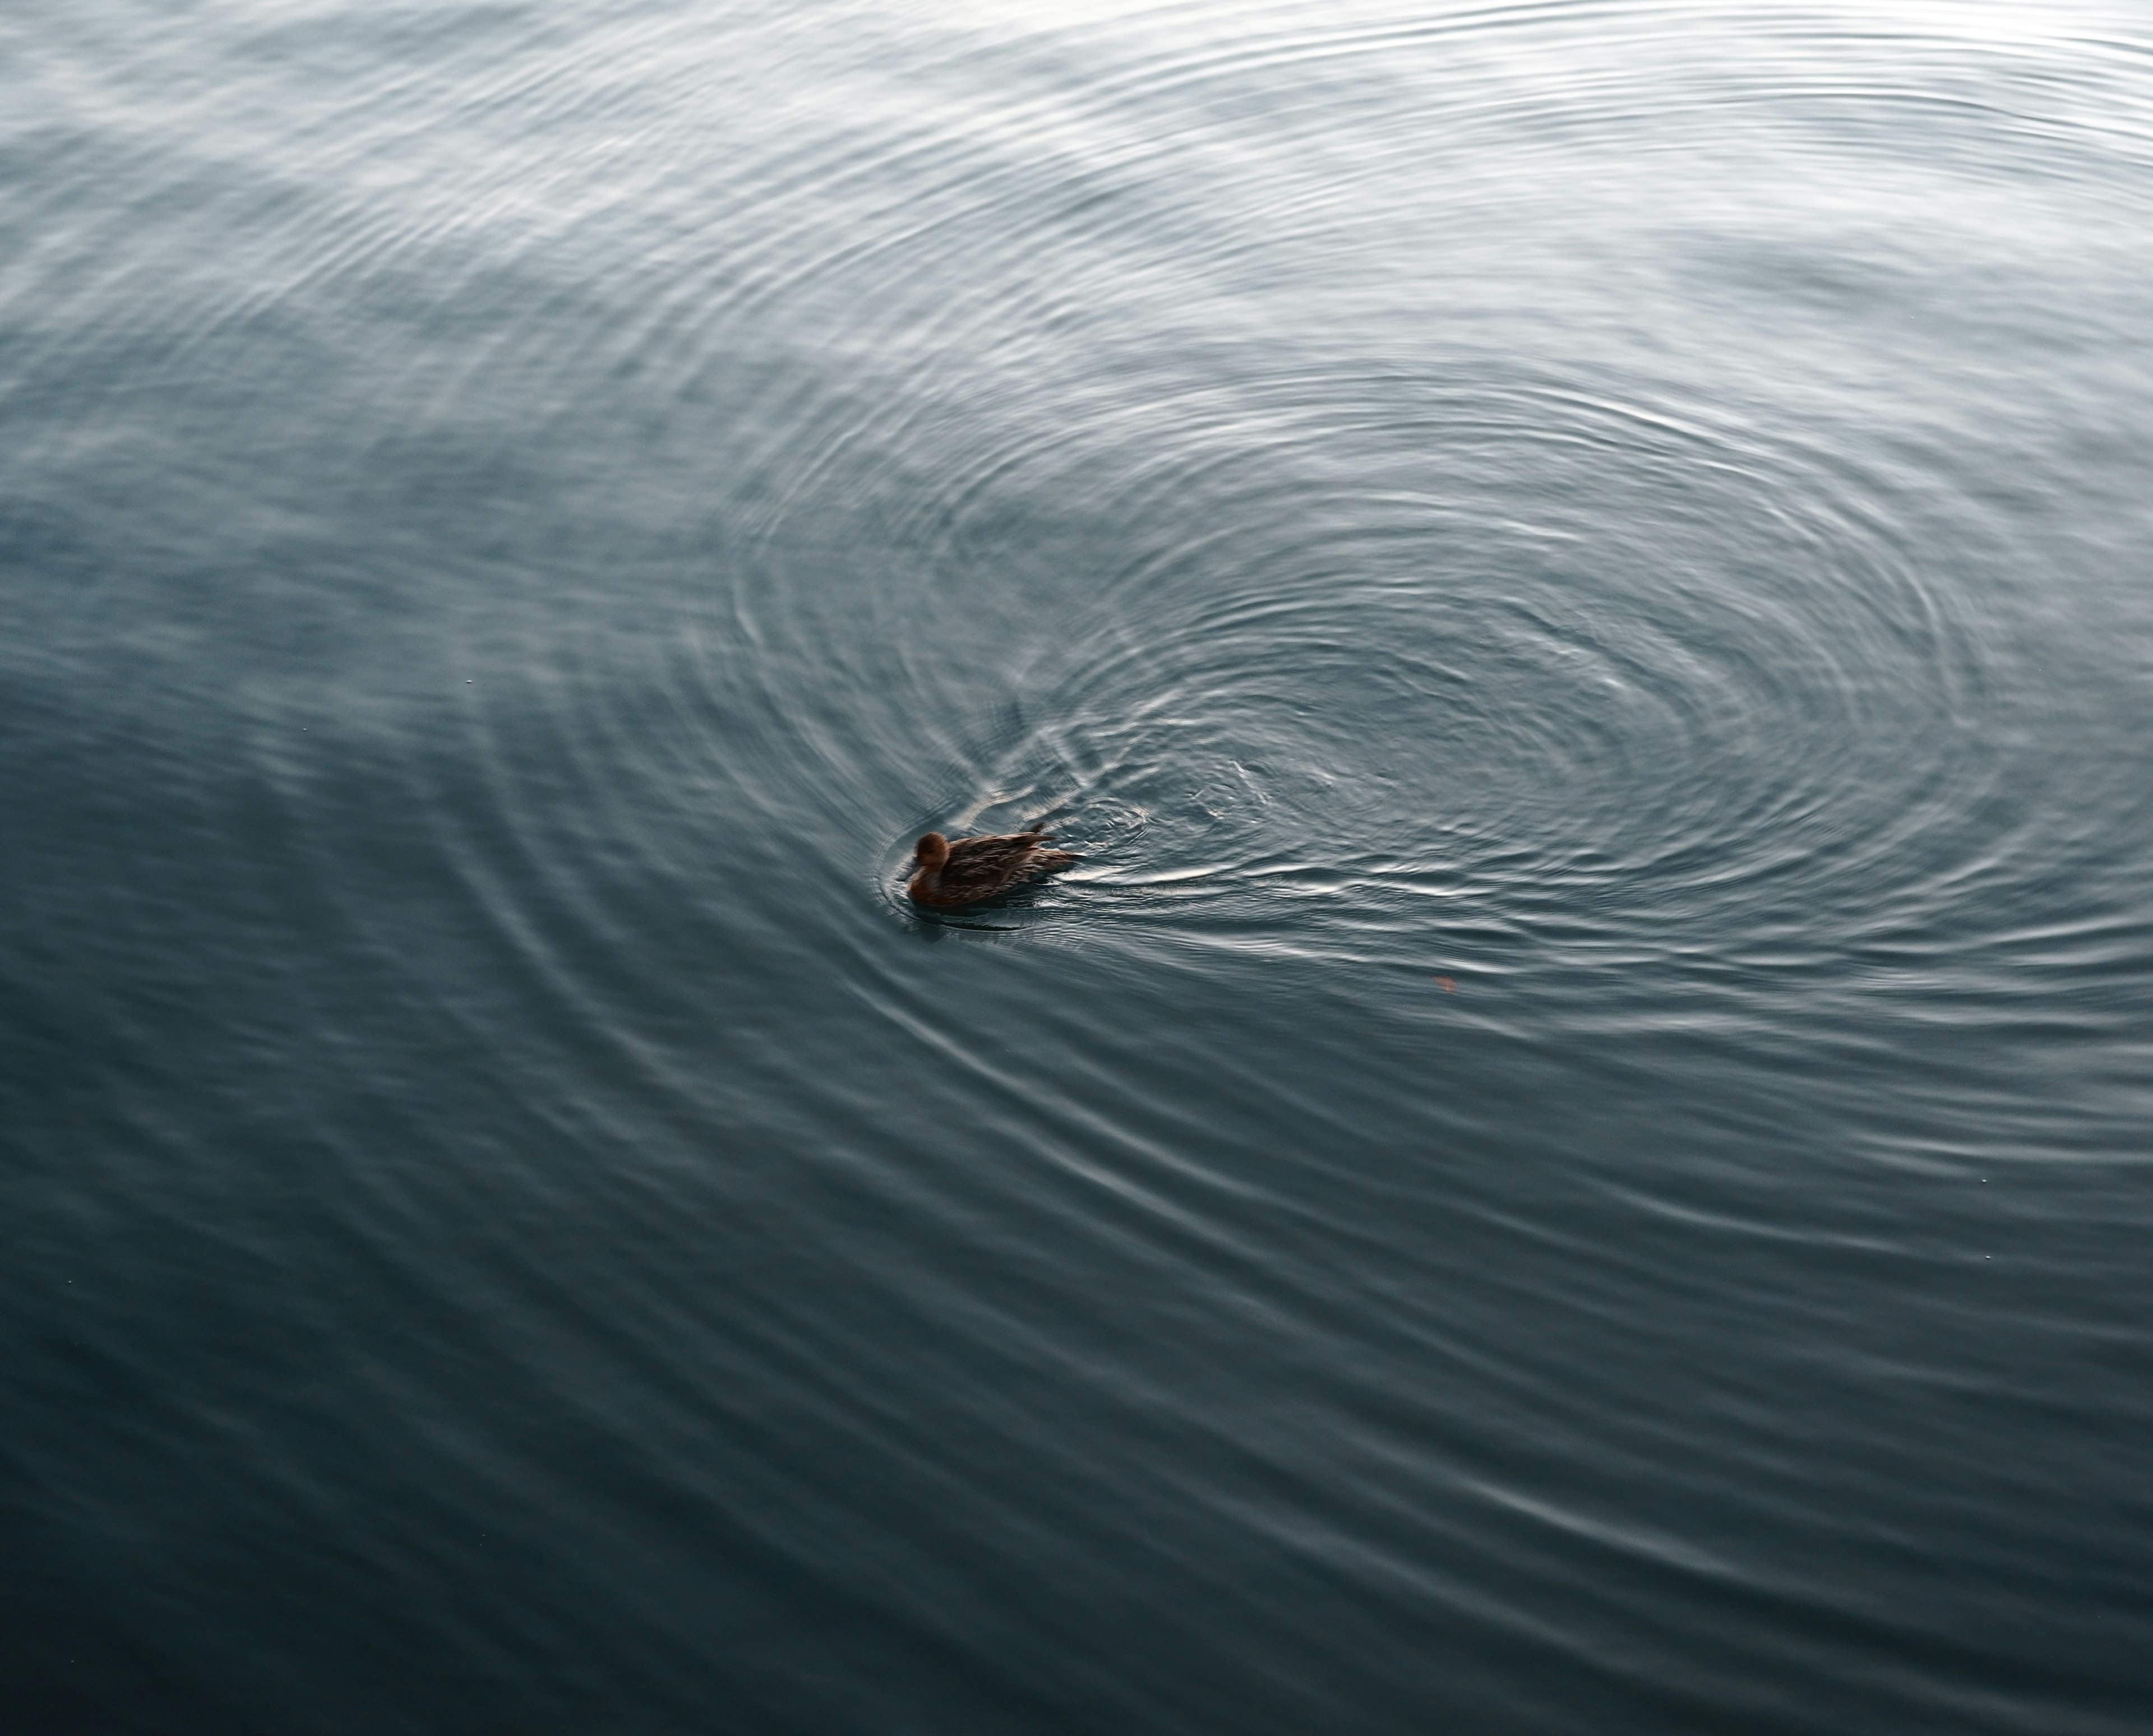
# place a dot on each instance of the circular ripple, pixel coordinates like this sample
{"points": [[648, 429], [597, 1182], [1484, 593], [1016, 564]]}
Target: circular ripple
{"points": [[1426, 655], [1426, 536]]}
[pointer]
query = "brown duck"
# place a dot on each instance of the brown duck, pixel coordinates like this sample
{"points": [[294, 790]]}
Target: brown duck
{"points": [[974, 868]]}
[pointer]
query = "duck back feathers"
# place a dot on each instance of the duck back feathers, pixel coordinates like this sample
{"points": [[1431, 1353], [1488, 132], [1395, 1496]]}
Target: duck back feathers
{"points": [[968, 870]]}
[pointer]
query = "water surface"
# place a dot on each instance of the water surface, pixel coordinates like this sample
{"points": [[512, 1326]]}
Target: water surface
{"points": [[1571, 1160]]}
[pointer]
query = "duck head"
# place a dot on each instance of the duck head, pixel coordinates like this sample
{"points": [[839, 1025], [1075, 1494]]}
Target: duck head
{"points": [[933, 852]]}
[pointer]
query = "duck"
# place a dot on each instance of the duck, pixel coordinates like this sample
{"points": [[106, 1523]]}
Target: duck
{"points": [[970, 869]]}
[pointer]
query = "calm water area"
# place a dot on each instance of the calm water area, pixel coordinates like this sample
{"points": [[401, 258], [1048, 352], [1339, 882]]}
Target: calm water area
{"points": [[1576, 1159]]}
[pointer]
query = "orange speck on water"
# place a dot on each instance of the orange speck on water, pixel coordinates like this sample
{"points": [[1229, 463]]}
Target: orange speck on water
{"points": [[1449, 988]]}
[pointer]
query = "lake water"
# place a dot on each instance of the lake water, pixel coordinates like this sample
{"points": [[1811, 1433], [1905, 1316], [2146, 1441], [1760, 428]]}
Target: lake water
{"points": [[1574, 1156]]}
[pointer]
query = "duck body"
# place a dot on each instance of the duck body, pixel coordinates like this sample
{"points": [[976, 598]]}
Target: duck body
{"points": [[971, 869]]}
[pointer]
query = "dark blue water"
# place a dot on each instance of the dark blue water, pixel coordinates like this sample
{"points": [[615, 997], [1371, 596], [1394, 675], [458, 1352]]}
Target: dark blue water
{"points": [[1573, 1158]]}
